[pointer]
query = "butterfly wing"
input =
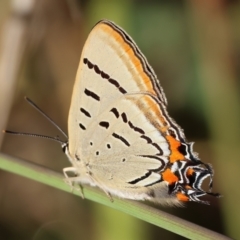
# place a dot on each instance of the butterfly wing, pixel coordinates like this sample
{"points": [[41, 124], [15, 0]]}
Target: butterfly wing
{"points": [[119, 129]]}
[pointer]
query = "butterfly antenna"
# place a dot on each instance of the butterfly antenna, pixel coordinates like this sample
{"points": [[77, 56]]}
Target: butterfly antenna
{"points": [[56, 139], [46, 116]]}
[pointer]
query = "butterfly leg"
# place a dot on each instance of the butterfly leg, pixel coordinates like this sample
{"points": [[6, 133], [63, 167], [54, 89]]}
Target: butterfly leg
{"points": [[71, 181], [99, 185], [109, 195]]}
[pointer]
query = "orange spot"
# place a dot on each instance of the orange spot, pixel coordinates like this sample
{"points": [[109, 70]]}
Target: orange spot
{"points": [[180, 196], [169, 177], [190, 172], [174, 144], [144, 79]]}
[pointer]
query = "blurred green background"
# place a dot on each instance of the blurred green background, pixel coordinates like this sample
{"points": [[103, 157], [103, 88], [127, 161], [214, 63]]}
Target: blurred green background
{"points": [[193, 46]]}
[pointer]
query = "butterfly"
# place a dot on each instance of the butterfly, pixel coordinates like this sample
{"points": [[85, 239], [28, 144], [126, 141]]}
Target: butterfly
{"points": [[121, 137]]}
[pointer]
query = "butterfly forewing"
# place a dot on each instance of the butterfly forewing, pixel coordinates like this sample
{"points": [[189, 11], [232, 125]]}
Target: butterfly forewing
{"points": [[100, 82]]}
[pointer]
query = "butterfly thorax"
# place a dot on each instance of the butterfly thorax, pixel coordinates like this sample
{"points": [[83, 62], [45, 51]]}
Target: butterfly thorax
{"points": [[80, 171]]}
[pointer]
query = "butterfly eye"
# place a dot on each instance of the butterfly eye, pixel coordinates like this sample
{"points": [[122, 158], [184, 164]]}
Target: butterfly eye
{"points": [[64, 147]]}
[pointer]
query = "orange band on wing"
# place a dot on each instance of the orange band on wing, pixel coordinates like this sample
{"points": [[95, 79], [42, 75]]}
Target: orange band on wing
{"points": [[152, 106], [174, 144], [143, 77]]}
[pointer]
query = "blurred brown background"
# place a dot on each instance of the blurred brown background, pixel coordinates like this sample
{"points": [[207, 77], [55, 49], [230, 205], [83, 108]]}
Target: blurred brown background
{"points": [[194, 47]]}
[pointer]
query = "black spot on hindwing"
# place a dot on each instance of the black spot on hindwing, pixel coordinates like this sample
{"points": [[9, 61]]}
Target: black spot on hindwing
{"points": [[137, 129], [122, 139]]}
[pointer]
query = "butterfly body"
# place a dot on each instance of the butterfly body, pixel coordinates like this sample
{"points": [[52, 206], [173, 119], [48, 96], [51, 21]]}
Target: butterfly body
{"points": [[121, 137]]}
